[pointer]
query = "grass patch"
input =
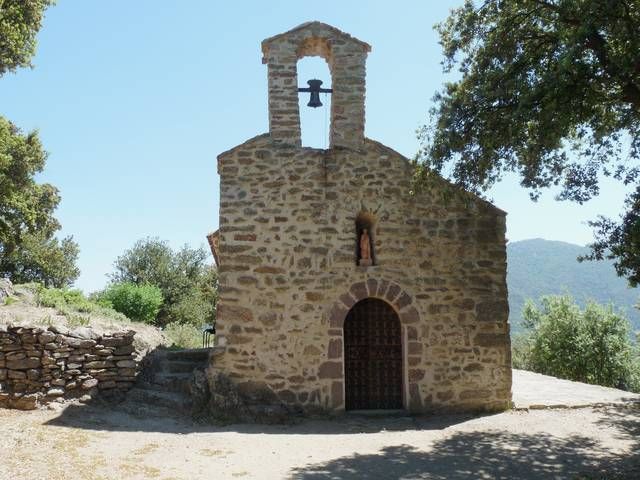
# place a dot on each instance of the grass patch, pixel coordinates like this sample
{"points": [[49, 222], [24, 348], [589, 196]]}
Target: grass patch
{"points": [[74, 305]]}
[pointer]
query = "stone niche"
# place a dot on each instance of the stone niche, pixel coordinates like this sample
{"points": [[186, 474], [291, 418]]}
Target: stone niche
{"points": [[291, 283]]}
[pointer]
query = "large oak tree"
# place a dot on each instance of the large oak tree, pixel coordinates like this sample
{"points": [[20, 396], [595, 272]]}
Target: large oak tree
{"points": [[550, 90]]}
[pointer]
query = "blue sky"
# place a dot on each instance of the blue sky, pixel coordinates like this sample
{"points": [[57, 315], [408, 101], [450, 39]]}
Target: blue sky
{"points": [[134, 101]]}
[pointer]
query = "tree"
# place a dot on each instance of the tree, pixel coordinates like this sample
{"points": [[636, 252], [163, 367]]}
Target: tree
{"points": [[550, 90], [591, 345], [20, 21], [29, 250], [43, 259], [187, 281]]}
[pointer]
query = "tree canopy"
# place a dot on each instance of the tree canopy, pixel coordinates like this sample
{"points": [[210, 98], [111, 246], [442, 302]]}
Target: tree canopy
{"points": [[29, 250], [187, 281], [20, 21], [550, 90]]}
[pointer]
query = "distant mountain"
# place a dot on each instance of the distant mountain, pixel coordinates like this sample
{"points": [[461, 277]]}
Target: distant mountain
{"points": [[541, 267]]}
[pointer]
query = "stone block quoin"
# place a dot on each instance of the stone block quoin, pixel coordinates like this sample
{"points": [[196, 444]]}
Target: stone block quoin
{"points": [[346, 57]]}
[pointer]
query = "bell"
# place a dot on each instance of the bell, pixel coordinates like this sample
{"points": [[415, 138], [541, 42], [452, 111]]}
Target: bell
{"points": [[314, 89]]}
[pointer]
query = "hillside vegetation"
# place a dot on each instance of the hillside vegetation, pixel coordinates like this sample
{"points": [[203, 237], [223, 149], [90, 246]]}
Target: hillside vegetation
{"points": [[542, 267], [34, 305]]}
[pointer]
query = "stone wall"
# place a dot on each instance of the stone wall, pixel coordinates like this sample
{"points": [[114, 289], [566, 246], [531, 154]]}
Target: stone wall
{"points": [[38, 366], [289, 274]]}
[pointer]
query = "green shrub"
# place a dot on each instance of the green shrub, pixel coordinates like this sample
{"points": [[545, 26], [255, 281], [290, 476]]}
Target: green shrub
{"points": [[188, 282], [64, 298], [591, 345], [183, 335], [140, 303]]}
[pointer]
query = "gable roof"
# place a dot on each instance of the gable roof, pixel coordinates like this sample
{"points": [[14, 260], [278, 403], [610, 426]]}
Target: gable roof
{"points": [[316, 29]]}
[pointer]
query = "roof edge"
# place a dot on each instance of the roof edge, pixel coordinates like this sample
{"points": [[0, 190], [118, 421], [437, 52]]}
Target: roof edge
{"points": [[267, 41], [474, 196]]}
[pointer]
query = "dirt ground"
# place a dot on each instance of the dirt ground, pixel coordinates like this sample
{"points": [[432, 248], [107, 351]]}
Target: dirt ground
{"points": [[96, 442]]}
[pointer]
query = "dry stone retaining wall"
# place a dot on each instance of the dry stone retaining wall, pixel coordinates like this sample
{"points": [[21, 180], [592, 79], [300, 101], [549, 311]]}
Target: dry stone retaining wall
{"points": [[38, 366]]}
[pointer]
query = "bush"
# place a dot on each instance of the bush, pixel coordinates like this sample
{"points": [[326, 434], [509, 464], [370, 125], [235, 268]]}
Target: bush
{"points": [[187, 281], [183, 336], [140, 303], [591, 345], [63, 299]]}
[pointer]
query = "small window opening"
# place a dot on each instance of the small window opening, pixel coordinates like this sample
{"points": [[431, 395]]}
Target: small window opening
{"points": [[314, 122], [365, 239]]}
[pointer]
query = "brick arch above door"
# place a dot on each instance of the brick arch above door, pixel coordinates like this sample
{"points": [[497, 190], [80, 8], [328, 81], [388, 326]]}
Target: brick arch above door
{"points": [[402, 302], [386, 290]]}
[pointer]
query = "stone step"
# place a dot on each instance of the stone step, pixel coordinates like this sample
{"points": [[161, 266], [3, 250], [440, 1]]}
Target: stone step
{"points": [[154, 398], [179, 367], [171, 382], [189, 355]]}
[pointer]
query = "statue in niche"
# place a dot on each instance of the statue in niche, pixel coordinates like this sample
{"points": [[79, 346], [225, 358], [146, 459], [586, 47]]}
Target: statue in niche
{"points": [[365, 249]]}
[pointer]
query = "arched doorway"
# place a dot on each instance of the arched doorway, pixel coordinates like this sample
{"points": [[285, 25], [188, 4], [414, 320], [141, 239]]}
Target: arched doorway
{"points": [[372, 356]]}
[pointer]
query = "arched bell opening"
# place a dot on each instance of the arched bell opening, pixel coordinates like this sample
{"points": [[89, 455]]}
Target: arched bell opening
{"points": [[373, 356], [314, 106], [365, 229]]}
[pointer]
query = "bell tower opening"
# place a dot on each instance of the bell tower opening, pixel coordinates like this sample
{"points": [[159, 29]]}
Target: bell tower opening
{"points": [[345, 58], [315, 107]]}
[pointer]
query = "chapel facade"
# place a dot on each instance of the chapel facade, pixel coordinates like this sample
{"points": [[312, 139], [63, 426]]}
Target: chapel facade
{"points": [[339, 288]]}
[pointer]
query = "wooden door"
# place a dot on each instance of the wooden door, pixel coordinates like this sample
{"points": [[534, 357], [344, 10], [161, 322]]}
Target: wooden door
{"points": [[373, 356]]}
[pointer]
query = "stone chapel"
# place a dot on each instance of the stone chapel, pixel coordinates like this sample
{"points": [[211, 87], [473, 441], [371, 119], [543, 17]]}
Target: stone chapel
{"points": [[340, 289]]}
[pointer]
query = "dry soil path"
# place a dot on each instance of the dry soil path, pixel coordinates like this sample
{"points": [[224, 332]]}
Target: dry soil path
{"points": [[90, 442], [597, 436]]}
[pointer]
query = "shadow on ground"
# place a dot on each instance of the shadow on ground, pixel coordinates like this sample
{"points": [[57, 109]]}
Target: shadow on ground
{"points": [[111, 416], [447, 453], [482, 455]]}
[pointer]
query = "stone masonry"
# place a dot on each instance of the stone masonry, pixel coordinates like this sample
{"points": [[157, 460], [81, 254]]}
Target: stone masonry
{"points": [[288, 266], [38, 366]]}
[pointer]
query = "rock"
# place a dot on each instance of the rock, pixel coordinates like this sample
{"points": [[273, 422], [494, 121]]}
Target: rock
{"points": [[46, 337], [25, 402], [89, 384], [23, 364], [77, 342], [124, 350], [55, 392], [126, 364], [59, 330], [6, 289], [99, 364], [84, 333], [3, 373], [115, 341]]}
